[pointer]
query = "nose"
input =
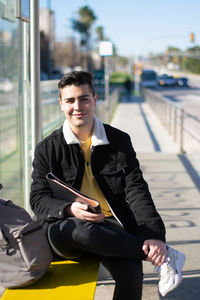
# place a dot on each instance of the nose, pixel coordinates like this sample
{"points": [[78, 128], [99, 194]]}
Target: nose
{"points": [[76, 104]]}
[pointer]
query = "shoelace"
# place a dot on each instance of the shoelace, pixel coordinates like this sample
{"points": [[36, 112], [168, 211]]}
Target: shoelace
{"points": [[172, 261]]}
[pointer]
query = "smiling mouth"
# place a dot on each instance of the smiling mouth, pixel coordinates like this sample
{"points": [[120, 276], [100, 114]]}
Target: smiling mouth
{"points": [[78, 115]]}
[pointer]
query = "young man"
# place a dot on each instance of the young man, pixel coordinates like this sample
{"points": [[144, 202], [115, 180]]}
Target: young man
{"points": [[99, 160]]}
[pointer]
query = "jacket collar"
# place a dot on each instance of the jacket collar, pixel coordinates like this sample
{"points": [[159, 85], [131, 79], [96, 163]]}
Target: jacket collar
{"points": [[98, 135]]}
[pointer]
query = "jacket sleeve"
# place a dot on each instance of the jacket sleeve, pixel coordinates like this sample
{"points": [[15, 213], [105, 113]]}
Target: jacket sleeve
{"points": [[44, 205], [139, 198]]}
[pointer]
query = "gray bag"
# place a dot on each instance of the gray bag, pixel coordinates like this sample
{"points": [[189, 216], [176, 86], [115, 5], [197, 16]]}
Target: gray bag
{"points": [[25, 254]]}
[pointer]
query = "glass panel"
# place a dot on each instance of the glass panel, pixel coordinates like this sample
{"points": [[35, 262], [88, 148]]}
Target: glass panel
{"points": [[14, 104], [10, 156], [52, 117]]}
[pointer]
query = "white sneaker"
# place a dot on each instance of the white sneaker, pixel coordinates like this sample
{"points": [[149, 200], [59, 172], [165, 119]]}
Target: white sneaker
{"points": [[170, 271]]}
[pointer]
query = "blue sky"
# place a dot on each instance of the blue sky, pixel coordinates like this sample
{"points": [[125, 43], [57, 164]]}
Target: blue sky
{"points": [[137, 27]]}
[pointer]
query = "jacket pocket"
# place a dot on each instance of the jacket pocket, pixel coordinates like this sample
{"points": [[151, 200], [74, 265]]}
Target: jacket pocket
{"points": [[114, 176], [69, 175]]}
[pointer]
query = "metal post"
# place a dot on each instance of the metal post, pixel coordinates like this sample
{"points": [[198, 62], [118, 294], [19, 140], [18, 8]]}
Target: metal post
{"points": [[175, 121], [35, 79], [160, 109], [164, 114], [107, 99], [181, 130], [137, 79], [170, 119], [26, 124], [35, 73]]}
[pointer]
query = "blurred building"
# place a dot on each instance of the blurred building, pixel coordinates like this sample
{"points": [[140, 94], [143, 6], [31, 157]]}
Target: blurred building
{"points": [[47, 26], [47, 40], [6, 37]]}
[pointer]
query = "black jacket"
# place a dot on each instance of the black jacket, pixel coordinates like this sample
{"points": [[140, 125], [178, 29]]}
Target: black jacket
{"points": [[116, 171]]}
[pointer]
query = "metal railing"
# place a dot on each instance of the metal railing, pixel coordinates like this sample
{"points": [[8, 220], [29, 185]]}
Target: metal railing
{"points": [[52, 117], [175, 119], [103, 111]]}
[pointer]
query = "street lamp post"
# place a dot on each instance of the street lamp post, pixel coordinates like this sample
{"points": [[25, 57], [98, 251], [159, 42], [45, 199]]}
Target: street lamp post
{"points": [[107, 96], [106, 50], [137, 77]]}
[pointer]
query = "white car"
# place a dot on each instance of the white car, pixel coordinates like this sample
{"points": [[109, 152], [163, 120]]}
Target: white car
{"points": [[6, 85]]}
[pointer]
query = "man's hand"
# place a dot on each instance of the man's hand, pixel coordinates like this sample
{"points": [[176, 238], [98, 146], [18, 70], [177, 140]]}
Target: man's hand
{"points": [[156, 251], [79, 210]]}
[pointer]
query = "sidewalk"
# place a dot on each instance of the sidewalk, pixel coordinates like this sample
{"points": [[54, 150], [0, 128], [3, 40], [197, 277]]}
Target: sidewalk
{"points": [[174, 183]]}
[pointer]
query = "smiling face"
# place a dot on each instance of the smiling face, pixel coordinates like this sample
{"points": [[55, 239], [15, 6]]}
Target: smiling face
{"points": [[78, 105]]}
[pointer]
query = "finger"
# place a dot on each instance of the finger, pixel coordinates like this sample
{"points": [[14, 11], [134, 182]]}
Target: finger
{"points": [[145, 249], [152, 254], [98, 217], [78, 205], [83, 206], [163, 258], [93, 217], [152, 258], [155, 256], [100, 220], [157, 260]]}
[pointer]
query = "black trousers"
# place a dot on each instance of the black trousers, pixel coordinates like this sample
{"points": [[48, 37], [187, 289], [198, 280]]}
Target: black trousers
{"points": [[120, 252]]}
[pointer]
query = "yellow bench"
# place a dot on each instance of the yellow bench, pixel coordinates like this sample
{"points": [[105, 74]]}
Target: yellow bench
{"points": [[65, 280]]}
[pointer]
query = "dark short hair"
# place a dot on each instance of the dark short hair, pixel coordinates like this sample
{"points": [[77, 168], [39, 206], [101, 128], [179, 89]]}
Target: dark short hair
{"points": [[76, 78]]}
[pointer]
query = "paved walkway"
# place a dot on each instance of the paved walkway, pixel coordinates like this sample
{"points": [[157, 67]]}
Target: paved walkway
{"points": [[174, 183]]}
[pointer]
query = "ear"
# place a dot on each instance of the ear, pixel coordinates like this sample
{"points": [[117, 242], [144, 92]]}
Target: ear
{"points": [[95, 100], [60, 102]]}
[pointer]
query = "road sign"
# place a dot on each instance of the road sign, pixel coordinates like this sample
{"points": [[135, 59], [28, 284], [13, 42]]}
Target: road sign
{"points": [[105, 48]]}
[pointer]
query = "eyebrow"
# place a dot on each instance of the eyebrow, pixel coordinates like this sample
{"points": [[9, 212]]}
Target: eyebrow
{"points": [[71, 98]]}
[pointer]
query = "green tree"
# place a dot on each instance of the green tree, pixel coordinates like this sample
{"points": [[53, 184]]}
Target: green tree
{"points": [[83, 24], [192, 64], [100, 33], [175, 59]]}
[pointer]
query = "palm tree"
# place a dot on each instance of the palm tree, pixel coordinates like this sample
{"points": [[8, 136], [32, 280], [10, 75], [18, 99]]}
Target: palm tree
{"points": [[100, 33], [82, 24]]}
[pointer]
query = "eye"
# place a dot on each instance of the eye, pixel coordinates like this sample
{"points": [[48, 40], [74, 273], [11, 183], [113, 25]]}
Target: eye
{"points": [[70, 101], [84, 99]]}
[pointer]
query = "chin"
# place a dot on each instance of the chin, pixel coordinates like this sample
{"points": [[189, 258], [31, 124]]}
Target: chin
{"points": [[79, 124]]}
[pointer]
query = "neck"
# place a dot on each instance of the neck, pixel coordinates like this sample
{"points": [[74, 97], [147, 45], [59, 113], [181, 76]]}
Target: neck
{"points": [[82, 133]]}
